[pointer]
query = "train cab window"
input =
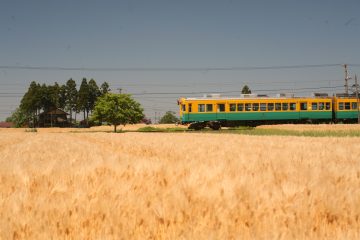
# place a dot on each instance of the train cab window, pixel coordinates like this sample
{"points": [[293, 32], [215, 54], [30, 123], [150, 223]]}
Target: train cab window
{"points": [[209, 107], [327, 106], [277, 106], [255, 107], [183, 107], [201, 108], [240, 107], [321, 106], [232, 107], [292, 106], [247, 106], [270, 107], [347, 106], [285, 106], [314, 106], [262, 106], [354, 106], [190, 107], [341, 106], [221, 107]]}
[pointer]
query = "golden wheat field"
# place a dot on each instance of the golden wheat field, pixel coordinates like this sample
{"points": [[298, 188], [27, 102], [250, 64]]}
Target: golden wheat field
{"points": [[93, 185]]}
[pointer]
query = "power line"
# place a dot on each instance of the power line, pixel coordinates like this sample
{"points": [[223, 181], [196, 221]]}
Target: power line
{"points": [[167, 69]]}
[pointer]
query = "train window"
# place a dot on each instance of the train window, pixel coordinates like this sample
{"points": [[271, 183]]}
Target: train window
{"points": [[354, 105], [292, 106], [183, 107], [240, 107], [232, 107], [347, 106], [209, 107], [201, 108], [190, 107], [262, 106], [221, 107], [321, 106], [278, 106], [285, 106], [314, 106], [247, 106], [341, 106], [327, 106], [270, 107], [255, 107], [303, 106]]}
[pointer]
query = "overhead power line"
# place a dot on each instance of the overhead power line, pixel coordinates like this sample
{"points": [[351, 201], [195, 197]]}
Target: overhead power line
{"points": [[168, 69]]}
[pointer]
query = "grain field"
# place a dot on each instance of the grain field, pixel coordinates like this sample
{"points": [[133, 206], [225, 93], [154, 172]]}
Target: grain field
{"points": [[178, 186]]}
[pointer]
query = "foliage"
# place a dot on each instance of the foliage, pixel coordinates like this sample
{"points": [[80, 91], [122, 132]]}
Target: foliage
{"points": [[71, 94], [94, 93], [83, 97], [117, 109], [169, 117], [104, 89], [19, 118], [246, 90]]}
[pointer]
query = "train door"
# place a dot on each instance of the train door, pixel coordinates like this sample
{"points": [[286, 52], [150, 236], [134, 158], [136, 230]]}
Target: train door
{"points": [[303, 113], [220, 111]]}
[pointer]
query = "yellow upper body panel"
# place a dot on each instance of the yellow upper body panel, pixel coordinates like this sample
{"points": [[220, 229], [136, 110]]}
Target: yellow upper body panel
{"points": [[200, 105]]}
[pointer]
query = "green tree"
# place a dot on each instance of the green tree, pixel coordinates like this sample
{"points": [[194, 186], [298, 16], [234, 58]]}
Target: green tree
{"points": [[71, 97], [104, 89], [19, 117], [169, 117], [117, 109], [83, 99], [94, 93], [62, 97], [30, 103], [246, 90]]}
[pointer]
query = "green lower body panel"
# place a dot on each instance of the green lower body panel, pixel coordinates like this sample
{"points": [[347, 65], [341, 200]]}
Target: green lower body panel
{"points": [[346, 115], [256, 116]]}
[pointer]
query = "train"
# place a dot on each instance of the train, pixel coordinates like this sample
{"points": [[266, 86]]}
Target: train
{"points": [[215, 111]]}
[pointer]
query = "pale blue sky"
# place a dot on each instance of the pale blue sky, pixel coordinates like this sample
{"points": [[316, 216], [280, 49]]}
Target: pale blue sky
{"points": [[178, 34]]}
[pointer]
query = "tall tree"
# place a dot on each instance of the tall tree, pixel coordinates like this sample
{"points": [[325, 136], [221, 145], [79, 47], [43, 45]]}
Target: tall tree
{"points": [[83, 99], [62, 97], [94, 93], [104, 89], [31, 103], [246, 90], [117, 109], [71, 97]]}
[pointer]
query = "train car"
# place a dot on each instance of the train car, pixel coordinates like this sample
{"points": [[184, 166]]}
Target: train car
{"points": [[346, 109], [215, 112]]}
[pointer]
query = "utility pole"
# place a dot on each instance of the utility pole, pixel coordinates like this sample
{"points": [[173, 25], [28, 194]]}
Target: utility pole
{"points": [[347, 77], [357, 98]]}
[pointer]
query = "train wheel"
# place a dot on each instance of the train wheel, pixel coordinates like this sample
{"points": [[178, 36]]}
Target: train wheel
{"points": [[215, 125]]}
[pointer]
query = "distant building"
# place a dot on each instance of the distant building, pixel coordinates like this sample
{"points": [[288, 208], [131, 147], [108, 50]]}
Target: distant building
{"points": [[53, 118], [6, 124]]}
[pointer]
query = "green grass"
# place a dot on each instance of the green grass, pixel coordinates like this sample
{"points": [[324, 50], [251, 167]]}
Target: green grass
{"points": [[31, 130], [283, 132], [154, 129]]}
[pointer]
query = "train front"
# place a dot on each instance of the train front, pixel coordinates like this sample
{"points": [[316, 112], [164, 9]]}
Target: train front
{"points": [[182, 110]]}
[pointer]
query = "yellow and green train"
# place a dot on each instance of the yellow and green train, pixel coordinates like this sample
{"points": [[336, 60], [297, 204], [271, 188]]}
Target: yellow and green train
{"points": [[216, 112]]}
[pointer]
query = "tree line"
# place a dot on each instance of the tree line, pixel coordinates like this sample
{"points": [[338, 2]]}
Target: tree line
{"points": [[42, 97]]}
